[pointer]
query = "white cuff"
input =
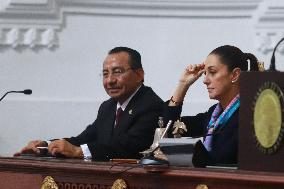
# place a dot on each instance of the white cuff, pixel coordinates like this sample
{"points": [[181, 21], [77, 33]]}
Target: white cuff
{"points": [[86, 152]]}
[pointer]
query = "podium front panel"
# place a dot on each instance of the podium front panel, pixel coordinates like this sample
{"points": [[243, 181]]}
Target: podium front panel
{"points": [[256, 153]]}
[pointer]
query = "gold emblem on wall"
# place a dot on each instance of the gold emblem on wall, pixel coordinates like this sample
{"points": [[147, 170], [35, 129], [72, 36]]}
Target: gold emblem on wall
{"points": [[49, 183], [268, 118], [119, 184]]}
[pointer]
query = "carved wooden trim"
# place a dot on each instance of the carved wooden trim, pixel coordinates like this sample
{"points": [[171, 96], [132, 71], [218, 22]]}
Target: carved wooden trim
{"points": [[67, 185], [119, 184], [81, 186], [49, 183], [96, 175]]}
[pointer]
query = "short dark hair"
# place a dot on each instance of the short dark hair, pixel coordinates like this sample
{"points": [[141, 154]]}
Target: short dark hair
{"points": [[134, 56], [233, 57]]}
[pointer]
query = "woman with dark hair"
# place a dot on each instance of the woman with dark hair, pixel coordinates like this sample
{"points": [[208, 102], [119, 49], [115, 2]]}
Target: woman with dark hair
{"points": [[219, 125]]}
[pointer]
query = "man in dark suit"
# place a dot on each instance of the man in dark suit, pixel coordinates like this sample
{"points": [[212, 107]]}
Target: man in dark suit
{"points": [[125, 123]]}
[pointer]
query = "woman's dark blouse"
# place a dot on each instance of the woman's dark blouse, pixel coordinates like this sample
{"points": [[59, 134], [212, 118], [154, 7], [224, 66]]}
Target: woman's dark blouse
{"points": [[225, 137]]}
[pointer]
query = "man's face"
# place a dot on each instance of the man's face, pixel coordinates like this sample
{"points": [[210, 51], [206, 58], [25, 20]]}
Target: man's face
{"points": [[119, 80]]}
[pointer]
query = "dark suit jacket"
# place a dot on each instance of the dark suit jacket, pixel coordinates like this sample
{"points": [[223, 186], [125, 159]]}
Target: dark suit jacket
{"points": [[225, 138], [134, 133]]}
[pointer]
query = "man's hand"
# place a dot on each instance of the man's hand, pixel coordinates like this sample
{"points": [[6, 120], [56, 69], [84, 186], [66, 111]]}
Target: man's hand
{"points": [[31, 148], [65, 148]]}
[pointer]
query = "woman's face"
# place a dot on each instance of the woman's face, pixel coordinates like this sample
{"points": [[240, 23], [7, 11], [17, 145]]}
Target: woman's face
{"points": [[218, 78]]}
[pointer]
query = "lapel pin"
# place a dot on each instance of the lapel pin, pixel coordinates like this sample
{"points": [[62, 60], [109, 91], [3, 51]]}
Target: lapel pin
{"points": [[130, 112]]}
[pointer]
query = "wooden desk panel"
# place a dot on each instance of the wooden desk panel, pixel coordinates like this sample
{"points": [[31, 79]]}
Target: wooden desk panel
{"points": [[11, 180], [79, 174]]}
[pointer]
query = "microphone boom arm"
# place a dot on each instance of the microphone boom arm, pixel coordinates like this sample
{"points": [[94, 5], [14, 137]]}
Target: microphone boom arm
{"points": [[272, 62], [26, 92]]}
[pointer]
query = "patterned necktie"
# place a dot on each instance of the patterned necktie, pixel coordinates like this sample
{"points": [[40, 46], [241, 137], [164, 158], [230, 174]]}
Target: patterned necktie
{"points": [[118, 115]]}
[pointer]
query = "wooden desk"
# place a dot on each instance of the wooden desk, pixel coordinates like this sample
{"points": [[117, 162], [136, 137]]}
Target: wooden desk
{"points": [[28, 173]]}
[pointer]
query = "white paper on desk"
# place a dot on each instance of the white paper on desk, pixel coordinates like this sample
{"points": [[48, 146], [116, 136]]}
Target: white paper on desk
{"points": [[181, 141]]}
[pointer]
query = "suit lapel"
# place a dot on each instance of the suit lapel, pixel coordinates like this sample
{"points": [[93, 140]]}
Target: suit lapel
{"points": [[125, 120], [109, 123], [129, 113]]}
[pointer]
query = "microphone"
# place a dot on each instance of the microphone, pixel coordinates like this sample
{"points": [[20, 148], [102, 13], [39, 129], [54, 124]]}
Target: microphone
{"points": [[272, 62], [26, 92]]}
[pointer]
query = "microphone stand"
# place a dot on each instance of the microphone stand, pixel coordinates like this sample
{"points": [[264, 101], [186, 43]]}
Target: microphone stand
{"points": [[272, 62]]}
